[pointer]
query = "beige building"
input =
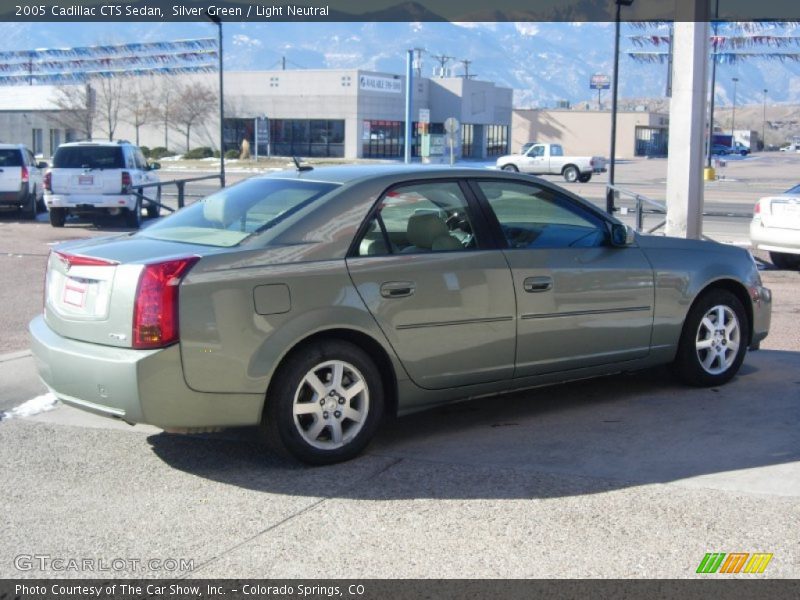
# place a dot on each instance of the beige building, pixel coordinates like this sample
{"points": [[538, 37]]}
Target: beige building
{"points": [[584, 132]]}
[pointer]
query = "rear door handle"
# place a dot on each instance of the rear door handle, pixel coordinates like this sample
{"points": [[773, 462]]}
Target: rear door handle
{"points": [[398, 289], [538, 284]]}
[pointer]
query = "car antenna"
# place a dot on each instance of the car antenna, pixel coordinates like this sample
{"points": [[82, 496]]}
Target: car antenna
{"points": [[300, 167]]}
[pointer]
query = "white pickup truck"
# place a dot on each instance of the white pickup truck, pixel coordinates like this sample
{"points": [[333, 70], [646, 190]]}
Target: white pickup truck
{"points": [[549, 159]]}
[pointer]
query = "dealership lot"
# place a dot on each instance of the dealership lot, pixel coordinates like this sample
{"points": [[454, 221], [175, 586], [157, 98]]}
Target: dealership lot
{"points": [[629, 476]]}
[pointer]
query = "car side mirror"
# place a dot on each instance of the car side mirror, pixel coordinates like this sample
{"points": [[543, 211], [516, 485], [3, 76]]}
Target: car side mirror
{"points": [[154, 166], [42, 165], [622, 235]]}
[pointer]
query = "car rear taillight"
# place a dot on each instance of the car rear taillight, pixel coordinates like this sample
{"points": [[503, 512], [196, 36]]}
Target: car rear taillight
{"points": [[126, 182], [47, 182], [757, 208], [25, 175], [155, 309]]}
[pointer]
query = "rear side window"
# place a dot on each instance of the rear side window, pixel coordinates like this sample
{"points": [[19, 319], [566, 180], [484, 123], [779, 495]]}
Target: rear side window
{"points": [[89, 157], [10, 158], [252, 208]]}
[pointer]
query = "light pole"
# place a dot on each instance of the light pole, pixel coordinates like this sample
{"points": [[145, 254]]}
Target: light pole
{"points": [[764, 122], [215, 19], [714, 41], [733, 116], [615, 88]]}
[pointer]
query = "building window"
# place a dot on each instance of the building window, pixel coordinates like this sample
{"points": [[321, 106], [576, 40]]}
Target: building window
{"points": [[307, 137], [346, 81], [70, 135], [55, 140], [467, 136], [496, 140], [36, 141], [651, 141], [274, 82], [383, 139]]}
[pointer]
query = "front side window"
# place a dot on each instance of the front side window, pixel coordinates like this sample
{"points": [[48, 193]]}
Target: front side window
{"points": [[420, 218], [255, 208], [531, 216]]}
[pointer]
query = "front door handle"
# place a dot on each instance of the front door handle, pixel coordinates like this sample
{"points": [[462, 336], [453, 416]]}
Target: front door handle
{"points": [[398, 289], [538, 284]]}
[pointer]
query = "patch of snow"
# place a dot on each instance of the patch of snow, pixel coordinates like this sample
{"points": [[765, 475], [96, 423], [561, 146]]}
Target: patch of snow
{"points": [[32, 407]]}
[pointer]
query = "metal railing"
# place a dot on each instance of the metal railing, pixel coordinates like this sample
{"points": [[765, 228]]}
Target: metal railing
{"points": [[642, 206], [181, 189]]}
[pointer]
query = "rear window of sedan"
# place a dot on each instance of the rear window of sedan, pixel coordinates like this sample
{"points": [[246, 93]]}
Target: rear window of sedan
{"points": [[88, 157], [246, 210]]}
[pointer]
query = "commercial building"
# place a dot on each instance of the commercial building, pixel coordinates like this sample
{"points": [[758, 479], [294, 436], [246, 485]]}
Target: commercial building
{"points": [[585, 132], [348, 113]]}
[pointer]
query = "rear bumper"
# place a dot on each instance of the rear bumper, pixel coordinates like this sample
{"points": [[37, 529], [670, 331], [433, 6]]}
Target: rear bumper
{"points": [[86, 202], [774, 239], [137, 386], [14, 198]]}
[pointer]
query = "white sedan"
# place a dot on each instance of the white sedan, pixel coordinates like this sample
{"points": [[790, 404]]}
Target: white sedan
{"points": [[776, 228]]}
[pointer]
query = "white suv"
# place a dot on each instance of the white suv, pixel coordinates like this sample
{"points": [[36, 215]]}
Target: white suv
{"points": [[20, 180], [100, 177]]}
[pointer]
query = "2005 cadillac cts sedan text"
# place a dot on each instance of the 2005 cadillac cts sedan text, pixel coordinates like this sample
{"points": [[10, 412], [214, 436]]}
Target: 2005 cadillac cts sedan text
{"points": [[314, 303]]}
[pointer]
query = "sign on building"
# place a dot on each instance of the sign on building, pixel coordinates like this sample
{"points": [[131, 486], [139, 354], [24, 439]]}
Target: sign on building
{"points": [[380, 84]]}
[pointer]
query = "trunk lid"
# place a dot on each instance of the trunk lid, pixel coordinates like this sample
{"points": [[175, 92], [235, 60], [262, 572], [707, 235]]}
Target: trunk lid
{"points": [[90, 287], [781, 211]]}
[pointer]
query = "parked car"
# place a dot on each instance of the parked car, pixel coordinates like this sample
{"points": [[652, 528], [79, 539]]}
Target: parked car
{"points": [[549, 159], [313, 303], [776, 228], [720, 150], [99, 178], [20, 180]]}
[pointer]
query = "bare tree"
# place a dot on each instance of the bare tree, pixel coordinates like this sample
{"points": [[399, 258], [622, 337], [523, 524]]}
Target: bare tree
{"points": [[164, 99], [110, 93], [193, 103], [138, 105], [76, 108]]}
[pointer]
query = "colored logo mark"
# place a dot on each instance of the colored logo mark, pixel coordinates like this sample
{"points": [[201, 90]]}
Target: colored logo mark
{"points": [[734, 562]]}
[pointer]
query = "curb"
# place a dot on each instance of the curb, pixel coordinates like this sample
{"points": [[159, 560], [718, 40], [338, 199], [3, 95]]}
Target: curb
{"points": [[14, 356]]}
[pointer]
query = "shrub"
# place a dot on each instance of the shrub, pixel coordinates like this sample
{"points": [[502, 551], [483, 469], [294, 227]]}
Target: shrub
{"points": [[201, 152], [145, 150], [232, 154], [160, 152]]}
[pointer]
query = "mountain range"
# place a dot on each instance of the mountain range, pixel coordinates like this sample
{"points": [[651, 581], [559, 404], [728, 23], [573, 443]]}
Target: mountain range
{"points": [[543, 62]]}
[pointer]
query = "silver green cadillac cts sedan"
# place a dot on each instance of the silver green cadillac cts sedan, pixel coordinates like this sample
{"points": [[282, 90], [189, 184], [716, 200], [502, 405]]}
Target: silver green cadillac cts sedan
{"points": [[314, 303]]}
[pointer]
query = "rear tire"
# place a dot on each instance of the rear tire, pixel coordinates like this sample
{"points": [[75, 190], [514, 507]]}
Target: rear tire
{"points": [[510, 168], [324, 404], [585, 178], [571, 173], [133, 216], [784, 260], [713, 341], [58, 216], [30, 209]]}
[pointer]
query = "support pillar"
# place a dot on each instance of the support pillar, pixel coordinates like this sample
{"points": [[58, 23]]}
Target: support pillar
{"points": [[687, 119]]}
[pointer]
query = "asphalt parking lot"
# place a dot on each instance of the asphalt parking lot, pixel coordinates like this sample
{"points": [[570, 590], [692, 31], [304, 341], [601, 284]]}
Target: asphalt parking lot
{"points": [[629, 476]]}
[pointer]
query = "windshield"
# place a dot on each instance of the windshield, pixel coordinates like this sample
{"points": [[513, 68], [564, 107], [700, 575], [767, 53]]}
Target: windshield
{"points": [[88, 157], [10, 158], [233, 214]]}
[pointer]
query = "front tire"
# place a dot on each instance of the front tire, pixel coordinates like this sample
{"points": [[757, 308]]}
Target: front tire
{"points": [[58, 216], [510, 168], [324, 404], [784, 260], [571, 174], [713, 341]]}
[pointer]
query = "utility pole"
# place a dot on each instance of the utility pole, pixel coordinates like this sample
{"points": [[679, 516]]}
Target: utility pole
{"points": [[764, 122], [418, 61], [733, 116], [283, 63], [466, 64], [443, 60]]}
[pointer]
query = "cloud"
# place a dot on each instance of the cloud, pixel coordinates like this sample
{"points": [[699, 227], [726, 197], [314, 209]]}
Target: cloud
{"points": [[245, 40], [527, 29]]}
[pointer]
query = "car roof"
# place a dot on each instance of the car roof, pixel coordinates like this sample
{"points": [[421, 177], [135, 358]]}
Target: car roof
{"points": [[12, 146], [351, 173], [95, 143]]}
